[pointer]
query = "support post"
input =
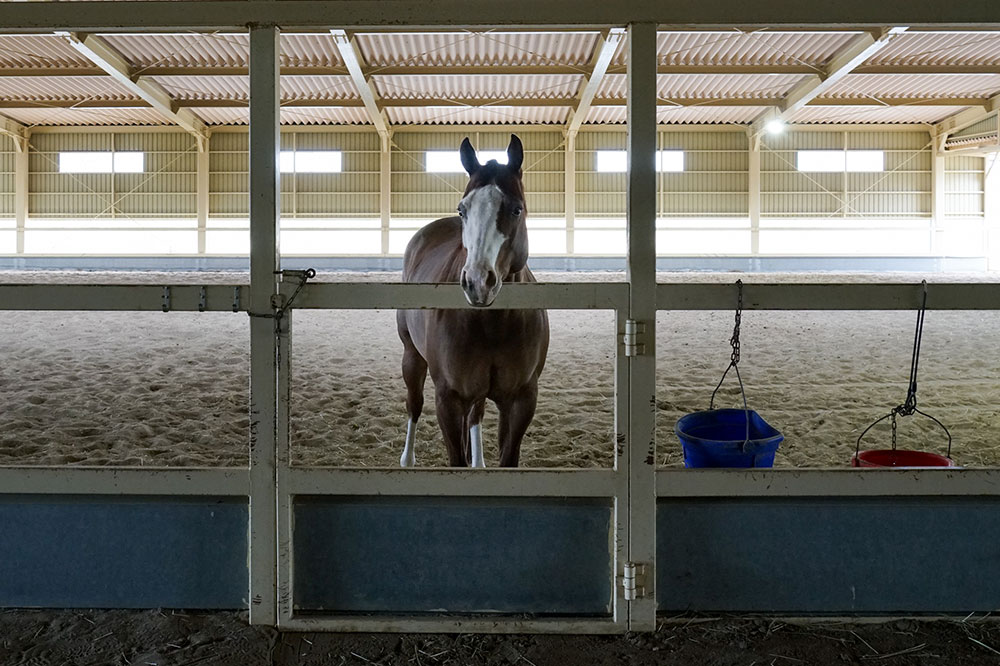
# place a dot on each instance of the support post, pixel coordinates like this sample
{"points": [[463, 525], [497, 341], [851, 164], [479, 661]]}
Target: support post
{"points": [[21, 166], [385, 188], [938, 200], [753, 193], [641, 267], [991, 209], [569, 188], [203, 185], [265, 203]]}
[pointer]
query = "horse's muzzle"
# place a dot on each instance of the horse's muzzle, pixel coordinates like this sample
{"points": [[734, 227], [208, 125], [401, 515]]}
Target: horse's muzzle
{"points": [[480, 286]]}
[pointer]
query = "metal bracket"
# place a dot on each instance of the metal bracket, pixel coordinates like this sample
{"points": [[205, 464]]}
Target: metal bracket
{"points": [[278, 301], [634, 334], [165, 300], [202, 300], [236, 299], [634, 580]]}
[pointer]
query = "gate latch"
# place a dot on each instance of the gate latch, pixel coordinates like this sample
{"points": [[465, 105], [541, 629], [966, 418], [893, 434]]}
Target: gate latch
{"points": [[634, 580], [634, 334]]}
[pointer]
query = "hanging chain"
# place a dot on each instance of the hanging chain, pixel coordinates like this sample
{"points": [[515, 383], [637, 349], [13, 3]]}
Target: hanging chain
{"points": [[735, 340]]}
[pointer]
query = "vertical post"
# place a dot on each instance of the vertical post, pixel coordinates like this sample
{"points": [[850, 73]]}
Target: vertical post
{"points": [[991, 209], [21, 166], [202, 192], [938, 199], [753, 192], [641, 265], [569, 189], [264, 261], [385, 188]]}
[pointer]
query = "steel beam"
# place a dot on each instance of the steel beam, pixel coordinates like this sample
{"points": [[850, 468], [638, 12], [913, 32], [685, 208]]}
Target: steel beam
{"points": [[861, 48], [351, 54], [225, 482], [91, 16], [111, 61], [604, 51], [967, 117]]}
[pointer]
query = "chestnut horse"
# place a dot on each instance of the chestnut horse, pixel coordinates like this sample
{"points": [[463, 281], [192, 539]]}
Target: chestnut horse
{"points": [[481, 353]]}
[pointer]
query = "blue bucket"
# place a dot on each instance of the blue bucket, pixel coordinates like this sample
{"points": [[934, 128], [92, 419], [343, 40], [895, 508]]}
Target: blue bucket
{"points": [[717, 438]]}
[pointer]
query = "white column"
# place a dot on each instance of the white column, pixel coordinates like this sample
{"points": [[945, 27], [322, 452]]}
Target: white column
{"points": [[21, 166], [991, 209], [265, 202], [753, 194], [938, 199], [202, 192], [385, 188], [569, 196], [641, 267]]}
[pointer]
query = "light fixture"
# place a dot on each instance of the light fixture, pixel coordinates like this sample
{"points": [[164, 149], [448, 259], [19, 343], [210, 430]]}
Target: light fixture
{"points": [[774, 126]]}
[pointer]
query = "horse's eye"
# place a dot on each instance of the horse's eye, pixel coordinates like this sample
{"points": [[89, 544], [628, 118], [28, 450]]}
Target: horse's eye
{"points": [[517, 211]]}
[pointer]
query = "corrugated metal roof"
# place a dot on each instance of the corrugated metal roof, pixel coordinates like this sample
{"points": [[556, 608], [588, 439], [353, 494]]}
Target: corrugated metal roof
{"points": [[191, 50], [874, 114], [930, 86], [296, 87], [39, 51], [464, 86], [85, 117], [477, 48], [320, 115], [940, 48], [708, 86], [487, 115], [50, 88], [744, 48]]}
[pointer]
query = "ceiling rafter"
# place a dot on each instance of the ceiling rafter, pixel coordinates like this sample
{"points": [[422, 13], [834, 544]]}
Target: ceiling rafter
{"points": [[348, 47], [117, 67], [604, 51], [963, 119], [16, 131], [846, 60]]}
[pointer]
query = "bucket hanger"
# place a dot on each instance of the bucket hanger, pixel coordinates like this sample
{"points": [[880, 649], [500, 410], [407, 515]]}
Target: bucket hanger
{"points": [[734, 360]]}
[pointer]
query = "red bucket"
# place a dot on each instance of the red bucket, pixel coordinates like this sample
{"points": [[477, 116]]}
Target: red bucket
{"points": [[899, 458]]}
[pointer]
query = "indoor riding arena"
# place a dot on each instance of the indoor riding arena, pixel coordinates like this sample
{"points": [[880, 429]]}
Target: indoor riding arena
{"points": [[764, 249]]}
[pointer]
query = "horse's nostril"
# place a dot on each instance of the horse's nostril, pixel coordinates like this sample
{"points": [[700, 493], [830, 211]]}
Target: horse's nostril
{"points": [[465, 280], [491, 279]]}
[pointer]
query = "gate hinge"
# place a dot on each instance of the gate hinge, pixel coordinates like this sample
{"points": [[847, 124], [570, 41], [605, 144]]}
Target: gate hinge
{"points": [[633, 338], [634, 580]]}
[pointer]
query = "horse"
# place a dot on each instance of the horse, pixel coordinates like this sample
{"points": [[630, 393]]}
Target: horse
{"points": [[480, 353]]}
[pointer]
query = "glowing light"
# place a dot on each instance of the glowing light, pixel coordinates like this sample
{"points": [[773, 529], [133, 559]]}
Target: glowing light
{"points": [[774, 127]]}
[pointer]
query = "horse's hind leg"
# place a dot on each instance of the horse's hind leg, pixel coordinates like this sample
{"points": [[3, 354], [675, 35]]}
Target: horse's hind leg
{"points": [[414, 375], [516, 412]]}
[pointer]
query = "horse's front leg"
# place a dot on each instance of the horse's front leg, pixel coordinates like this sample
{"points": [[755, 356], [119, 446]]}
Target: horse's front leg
{"points": [[516, 412], [474, 425], [452, 410]]}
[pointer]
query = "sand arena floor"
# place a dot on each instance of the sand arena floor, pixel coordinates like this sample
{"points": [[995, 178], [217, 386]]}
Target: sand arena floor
{"points": [[156, 389]]}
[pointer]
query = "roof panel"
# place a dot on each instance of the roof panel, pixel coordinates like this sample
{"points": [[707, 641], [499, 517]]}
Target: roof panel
{"points": [[931, 86], [489, 115], [940, 48], [30, 51], [477, 48], [468, 86], [289, 116], [52, 88], [186, 50], [736, 47], [87, 117], [873, 114], [681, 115], [238, 87], [709, 86]]}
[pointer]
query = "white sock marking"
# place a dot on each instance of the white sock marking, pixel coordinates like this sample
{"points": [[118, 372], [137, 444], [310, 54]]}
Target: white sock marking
{"points": [[476, 439], [408, 459]]}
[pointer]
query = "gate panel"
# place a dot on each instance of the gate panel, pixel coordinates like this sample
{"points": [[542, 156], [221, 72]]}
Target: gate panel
{"points": [[453, 554]]}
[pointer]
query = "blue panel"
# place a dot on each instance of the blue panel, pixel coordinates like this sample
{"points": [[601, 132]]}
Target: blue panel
{"points": [[123, 552], [829, 555], [454, 554]]}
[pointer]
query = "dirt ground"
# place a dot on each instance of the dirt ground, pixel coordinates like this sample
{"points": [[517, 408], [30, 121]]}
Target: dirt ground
{"points": [[175, 638]]}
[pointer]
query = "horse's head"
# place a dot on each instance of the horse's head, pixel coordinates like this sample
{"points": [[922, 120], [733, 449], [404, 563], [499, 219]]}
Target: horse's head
{"points": [[493, 230]]}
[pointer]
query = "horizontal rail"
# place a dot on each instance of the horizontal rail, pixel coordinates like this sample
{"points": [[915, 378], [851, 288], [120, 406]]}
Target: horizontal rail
{"points": [[454, 483], [683, 483], [227, 482], [121, 297], [565, 296], [843, 296], [444, 624]]}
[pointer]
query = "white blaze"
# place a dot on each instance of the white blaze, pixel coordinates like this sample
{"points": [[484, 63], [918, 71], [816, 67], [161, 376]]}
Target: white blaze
{"points": [[480, 235]]}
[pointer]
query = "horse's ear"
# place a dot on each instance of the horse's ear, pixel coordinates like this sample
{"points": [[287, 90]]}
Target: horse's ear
{"points": [[469, 159], [515, 153]]}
